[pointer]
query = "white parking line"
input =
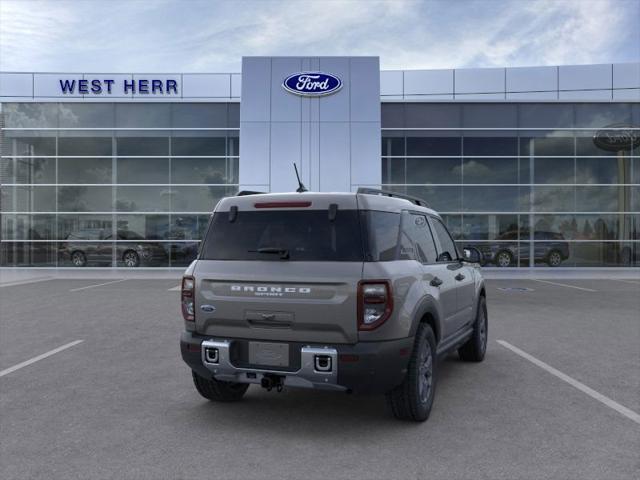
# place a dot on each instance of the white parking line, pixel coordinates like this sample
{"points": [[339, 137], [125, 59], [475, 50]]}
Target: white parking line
{"points": [[625, 281], [574, 383], [98, 285], [25, 282], [564, 285], [175, 289], [9, 370]]}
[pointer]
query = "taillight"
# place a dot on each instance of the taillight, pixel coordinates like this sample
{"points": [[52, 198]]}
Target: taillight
{"points": [[187, 298], [375, 303]]}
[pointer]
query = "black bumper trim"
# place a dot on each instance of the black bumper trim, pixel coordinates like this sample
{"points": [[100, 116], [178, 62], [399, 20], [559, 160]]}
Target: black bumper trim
{"points": [[365, 367]]}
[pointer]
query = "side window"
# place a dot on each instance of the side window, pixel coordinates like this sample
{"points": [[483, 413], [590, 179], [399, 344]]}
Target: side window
{"points": [[382, 235], [447, 251], [415, 228]]}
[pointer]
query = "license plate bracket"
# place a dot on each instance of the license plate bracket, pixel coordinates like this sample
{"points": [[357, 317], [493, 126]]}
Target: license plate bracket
{"points": [[271, 354]]}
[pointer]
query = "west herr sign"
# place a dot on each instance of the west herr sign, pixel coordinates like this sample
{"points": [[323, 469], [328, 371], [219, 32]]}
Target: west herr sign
{"points": [[139, 86], [312, 84]]}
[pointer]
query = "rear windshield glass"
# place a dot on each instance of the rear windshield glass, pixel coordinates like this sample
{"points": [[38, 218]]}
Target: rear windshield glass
{"points": [[284, 235]]}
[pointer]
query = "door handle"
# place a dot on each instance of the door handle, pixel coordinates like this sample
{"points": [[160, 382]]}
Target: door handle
{"points": [[459, 277], [436, 282]]}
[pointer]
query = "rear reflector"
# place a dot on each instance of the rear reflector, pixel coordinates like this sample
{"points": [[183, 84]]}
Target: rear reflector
{"points": [[282, 204], [348, 358]]}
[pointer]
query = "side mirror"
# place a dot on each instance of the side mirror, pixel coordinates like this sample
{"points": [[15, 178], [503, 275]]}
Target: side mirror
{"points": [[472, 255]]}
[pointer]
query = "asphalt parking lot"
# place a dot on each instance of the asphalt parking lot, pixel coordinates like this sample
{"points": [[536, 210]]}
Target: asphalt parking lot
{"points": [[120, 403]]}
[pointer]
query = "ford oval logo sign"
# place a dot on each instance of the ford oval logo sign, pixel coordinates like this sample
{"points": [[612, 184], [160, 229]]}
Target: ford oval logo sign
{"points": [[312, 84], [618, 137]]}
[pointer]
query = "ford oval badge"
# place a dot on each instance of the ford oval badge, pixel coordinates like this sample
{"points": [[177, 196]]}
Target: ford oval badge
{"points": [[618, 137], [207, 308], [312, 84]]}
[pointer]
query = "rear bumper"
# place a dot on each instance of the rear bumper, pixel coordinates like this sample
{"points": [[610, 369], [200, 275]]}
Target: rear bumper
{"points": [[366, 367]]}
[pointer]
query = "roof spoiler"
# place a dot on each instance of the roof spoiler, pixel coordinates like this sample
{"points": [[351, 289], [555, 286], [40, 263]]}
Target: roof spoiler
{"points": [[243, 193], [385, 193]]}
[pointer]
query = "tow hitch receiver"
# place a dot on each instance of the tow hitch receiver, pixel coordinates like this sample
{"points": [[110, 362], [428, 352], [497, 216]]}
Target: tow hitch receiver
{"points": [[270, 381]]}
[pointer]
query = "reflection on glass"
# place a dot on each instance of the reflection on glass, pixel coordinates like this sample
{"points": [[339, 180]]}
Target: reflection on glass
{"points": [[393, 170], [44, 145], [603, 199], [27, 170], [139, 254], [393, 146], [97, 115], [142, 170], [434, 170], [142, 146], [84, 226], [77, 252], [204, 199], [603, 170], [27, 198], [202, 170], [187, 227], [613, 254], [143, 199], [28, 227], [490, 227], [148, 115], [198, 146], [490, 146], [553, 170], [148, 227], [84, 170], [454, 225], [433, 146], [494, 199], [199, 115], [183, 253], [442, 199], [85, 146], [590, 227], [490, 170], [549, 144], [28, 254], [82, 198], [553, 199], [502, 255], [30, 115]]}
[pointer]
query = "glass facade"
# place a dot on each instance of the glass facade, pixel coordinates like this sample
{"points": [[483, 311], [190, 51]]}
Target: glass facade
{"points": [[112, 184], [524, 183], [133, 184]]}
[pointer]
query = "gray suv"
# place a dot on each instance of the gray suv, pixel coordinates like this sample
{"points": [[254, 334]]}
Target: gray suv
{"points": [[355, 292]]}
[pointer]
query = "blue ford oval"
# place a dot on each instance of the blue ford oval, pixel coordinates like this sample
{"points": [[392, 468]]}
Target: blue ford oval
{"points": [[312, 84]]}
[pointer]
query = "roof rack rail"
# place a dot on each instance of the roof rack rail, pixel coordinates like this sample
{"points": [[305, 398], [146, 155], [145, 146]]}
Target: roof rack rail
{"points": [[243, 193], [374, 191]]}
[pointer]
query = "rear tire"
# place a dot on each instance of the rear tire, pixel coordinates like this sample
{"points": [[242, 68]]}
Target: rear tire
{"points": [[217, 391], [413, 398], [503, 259], [554, 259], [78, 259], [131, 259], [476, 346]]}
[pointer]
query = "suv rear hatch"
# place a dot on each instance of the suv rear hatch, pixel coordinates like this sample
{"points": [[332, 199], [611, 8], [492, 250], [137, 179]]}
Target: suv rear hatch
{"points": [[281, 267]]}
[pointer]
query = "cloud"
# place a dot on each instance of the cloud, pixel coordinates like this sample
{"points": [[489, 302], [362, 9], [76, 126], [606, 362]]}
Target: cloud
{"points": [[172, 36]]}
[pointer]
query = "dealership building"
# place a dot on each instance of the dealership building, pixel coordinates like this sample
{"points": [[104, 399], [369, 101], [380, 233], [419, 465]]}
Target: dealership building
{"points": [[536, 166]]}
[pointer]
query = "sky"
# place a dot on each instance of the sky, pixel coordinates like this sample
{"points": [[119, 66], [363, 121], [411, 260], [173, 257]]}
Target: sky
{"points": [[149, 36]]}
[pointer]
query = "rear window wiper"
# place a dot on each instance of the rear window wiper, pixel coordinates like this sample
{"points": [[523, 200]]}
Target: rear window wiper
{"points": [[283, 252]]}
